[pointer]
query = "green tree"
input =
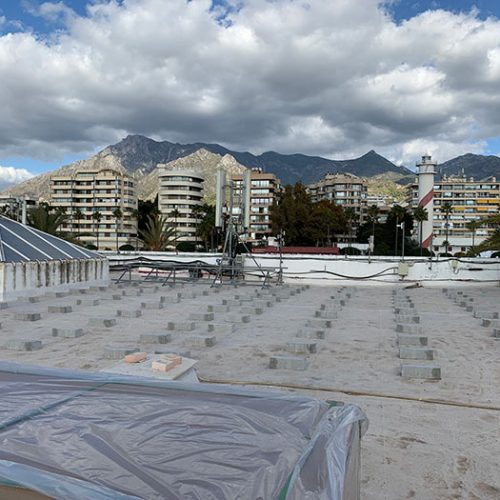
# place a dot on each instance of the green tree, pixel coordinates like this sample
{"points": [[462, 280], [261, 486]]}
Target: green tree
{"points": [[327, 219], [420, 214], [206, 230], [145, 209], [97, 216], [447, 208], [118, 214], [47, 219], [352, 218], [78, 216], [493, 241], [175, 214], [158, 234], [472, 226]]}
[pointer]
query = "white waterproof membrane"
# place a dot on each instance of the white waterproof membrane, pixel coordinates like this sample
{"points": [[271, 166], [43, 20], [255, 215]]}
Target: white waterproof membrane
{"points": [[74, 435]]}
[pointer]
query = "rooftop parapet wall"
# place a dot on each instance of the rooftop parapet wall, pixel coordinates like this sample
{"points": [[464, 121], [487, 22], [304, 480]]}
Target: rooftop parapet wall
{"points": [[18, 278]]}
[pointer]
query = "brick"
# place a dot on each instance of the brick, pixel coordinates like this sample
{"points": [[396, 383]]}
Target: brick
{"points": [[166, 363], [136, 357], [22, 316], [409, 328], [412, 340], [67, 333], [60, 309], [199, 316], [88, 302], [118, 352], [301, 347], [155, 338], [311, 334], [129, 313], [102, 322], [416, 353], [428, 372], [23, 345], [201, 340], [288, 363]]}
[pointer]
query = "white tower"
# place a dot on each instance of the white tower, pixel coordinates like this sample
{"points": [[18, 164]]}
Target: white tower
{"points": [[426, 169]]}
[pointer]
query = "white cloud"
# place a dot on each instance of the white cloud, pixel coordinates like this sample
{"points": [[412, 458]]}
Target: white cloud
{"points": [[11, 175], [321, 77]]}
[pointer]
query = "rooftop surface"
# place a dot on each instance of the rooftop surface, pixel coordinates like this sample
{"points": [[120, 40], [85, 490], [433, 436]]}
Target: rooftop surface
{"points": [[427, 439]]}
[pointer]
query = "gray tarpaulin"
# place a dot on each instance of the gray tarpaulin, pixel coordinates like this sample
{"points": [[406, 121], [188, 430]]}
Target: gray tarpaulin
{"points": [[77, 435]]}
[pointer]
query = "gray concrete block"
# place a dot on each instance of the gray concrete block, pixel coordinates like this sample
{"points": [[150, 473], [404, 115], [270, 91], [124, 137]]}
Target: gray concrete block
{"points": [[218, 308], [221, 328], [409, 328], [201, 340], [263, 303], [118, 352], [288, 363], [181, 326], [200, 316], [67, 333], [4, 305], [406, 318], [326, 314], [102, 322], [428, 372], [172, 350], [231, 302], [404, 311], [56, 295], [495, 323], [60, 309], [132, 293], [319, 323], [416, 353], [167, 299], [155, 338], [116, 296], [496, 333], [412, 340], [153, 305], [237, 318], [301, 347], [30, 300], [99, 288], [129, 313], [88, 302], [252, 310], [485, 314], [25, 316], [23, 345], [306, 333]]}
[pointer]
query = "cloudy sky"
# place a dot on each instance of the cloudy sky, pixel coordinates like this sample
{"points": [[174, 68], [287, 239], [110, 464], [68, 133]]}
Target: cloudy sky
{"points": [[334, 78]]}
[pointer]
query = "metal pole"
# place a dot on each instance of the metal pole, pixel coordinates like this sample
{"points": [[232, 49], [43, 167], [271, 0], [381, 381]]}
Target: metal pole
{"points": [[403, 240]]}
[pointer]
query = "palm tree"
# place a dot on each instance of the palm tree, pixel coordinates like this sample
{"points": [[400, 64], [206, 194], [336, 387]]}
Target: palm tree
{"points": [[135, 215], [158, 234], [48, 220], [399, 213], [97, 216], [175, 214], [493, 241], [420, 215], [447, 208], [373, 213], [78, 216], [118, 217], [351, 216], [472, 226]]}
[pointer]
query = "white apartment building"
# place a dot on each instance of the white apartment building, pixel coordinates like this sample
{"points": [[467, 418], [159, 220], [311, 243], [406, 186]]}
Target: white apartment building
{"points": [[470, 200], [179, 193], [101, 191]]}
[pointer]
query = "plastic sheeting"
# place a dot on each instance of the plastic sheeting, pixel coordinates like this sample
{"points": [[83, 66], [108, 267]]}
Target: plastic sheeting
{"points": [[75, 435]]}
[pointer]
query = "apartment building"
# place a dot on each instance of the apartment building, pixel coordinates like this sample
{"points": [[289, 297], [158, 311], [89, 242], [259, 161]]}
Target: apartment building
{"points": [[470, 200], [346, 190], [264, 189], [85, 193], [180, 192]]}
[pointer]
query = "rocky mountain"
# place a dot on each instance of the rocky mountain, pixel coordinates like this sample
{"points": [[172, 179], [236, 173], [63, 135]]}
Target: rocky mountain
{"points": [[471, 165]]}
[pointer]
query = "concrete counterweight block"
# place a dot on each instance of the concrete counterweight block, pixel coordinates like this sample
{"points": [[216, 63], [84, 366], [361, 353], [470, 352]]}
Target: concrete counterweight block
{"points": [[301, 347], [409, 328], [319, 323], [67, 333], [60, 309], [485, 314], [231, 302], [30, 300], [118, 352], [172, 350], [23, 345], [102, 322], [288, 363], [217, 308], [235, 318], [88, 302], [251, 310], [405, 318], [416, 353], [155, 338], [428, 372], [26, 316], [262, 304], [129, 313], [404, 311], [496, 333], [201, 316], [412, 340], [495, 323], [201, 340], [116, 296], [152, 305], [181, 326], [326, 314], [305, 333], [222, 328]]}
